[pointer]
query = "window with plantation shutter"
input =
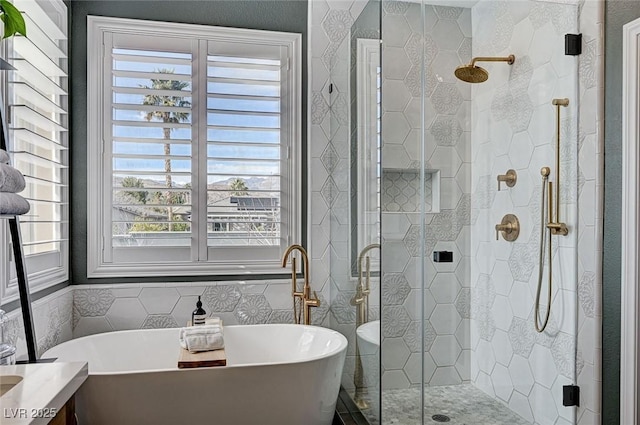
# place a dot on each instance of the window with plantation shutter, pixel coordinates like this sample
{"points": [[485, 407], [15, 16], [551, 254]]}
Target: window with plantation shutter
{"points": [[35, 109], [194, 134]]}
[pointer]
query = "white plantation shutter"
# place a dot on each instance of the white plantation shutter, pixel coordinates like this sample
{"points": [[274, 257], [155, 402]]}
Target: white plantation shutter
{"points": [[196, 162], [246, 142], [37, 104], [148, 148]]}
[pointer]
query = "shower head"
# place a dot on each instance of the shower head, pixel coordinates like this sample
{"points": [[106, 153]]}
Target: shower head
{"points": [[472, 73]]}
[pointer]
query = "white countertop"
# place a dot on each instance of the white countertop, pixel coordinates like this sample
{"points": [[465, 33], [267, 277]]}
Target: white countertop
{"points": [[44, 389]]}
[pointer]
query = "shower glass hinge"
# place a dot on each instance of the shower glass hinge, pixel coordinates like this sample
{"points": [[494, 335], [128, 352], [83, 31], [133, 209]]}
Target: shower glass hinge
{"points": [[571, 395], [572, 44]]}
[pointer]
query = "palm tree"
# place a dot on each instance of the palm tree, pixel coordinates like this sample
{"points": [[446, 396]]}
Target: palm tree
{"points": [[167, 116], [140, 197], [239, 187]]}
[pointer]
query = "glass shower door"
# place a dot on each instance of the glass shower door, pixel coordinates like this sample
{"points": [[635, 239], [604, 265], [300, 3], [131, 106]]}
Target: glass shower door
{"points": [[459, 340]]}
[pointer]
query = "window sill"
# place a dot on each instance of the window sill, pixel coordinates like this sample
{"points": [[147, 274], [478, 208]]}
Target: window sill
{"points": [[185, 269]]}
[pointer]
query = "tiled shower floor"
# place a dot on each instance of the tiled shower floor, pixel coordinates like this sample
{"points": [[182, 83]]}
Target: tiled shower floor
{"points": [[464, 404]]}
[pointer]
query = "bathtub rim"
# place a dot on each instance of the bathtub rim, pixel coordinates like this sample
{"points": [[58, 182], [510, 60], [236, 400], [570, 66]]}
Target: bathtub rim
{"points": [[336, 351], [367, 335]]}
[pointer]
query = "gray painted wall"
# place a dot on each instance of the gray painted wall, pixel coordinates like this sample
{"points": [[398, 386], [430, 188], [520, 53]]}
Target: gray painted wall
{"points": [[617, 14], [288, 16]]}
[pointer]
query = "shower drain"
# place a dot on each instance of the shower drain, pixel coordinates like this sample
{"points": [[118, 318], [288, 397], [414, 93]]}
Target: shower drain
{"points": [[441, 418]]}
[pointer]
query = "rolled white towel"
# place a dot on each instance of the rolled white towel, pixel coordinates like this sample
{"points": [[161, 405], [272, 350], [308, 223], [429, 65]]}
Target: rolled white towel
{"points": [[4, 157], [13, 204], [11, 180], [213, 321], [202, 338]]}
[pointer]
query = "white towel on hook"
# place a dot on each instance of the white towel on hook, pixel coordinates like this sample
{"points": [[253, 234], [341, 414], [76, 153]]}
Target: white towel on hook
{"points": [[11, 180], [202, 338], [13, 204]]}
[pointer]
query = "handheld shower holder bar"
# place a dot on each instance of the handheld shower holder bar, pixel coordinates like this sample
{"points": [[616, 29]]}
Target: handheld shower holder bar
{"points": [[554, 224]]}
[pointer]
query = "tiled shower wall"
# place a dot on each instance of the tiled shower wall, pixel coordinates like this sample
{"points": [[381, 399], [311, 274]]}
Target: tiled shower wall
{"points": [[513, 127]]}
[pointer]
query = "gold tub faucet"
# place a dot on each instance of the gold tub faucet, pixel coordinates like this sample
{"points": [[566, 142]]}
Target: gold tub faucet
{"points": [[303, 297]]}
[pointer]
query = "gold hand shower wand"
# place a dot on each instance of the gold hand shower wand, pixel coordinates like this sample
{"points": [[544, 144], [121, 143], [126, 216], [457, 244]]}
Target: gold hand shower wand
{"points": [[553, 225]]}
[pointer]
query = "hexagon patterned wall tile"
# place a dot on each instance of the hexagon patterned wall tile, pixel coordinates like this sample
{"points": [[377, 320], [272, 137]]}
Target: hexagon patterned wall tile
{"points": [[93, 302], [253, 309]]}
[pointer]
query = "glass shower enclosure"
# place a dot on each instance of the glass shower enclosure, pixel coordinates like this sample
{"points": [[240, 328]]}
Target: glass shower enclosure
{"points": [[444, 228]]}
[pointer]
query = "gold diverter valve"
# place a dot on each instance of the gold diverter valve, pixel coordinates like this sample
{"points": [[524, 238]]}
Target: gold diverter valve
{"points": [[509, 227], [301, 297]]}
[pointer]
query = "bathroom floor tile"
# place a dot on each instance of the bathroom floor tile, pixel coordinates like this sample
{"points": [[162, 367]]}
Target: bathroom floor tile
{"points": [[347, 413], [463, 404]]}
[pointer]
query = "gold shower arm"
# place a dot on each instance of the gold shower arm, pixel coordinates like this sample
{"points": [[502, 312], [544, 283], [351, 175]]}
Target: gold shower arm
{"points": [[509, 59]]}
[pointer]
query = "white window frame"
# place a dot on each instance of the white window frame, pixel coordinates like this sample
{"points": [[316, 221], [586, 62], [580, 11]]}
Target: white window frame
{"points": [[239, 260], [368, 67], [630, 340], [48, 268]]}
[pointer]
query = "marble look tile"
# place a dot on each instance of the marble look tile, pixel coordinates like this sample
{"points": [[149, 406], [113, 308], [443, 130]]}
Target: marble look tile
{"points": [[127, 313], [91, 325], [395, 321], [93, 302], [464, 404], [522, 337], [412, 336], [394, 7], [156, 321], [221, 298], [252, 309], [159, 300], [395, 289], [337, 24]]}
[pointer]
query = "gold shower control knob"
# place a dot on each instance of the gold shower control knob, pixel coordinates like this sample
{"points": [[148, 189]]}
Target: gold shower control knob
{"points": [[510, 178], [509, 227]]}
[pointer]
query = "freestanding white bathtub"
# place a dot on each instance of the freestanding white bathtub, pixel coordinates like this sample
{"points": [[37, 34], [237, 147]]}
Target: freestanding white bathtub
{"points": [[368, 336], [275, 375]]}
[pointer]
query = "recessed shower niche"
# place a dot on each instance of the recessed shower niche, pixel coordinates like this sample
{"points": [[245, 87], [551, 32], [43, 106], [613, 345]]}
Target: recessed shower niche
{"points": [[403, 192]]}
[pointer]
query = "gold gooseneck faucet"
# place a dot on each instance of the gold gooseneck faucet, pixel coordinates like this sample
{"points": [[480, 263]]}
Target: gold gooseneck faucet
{"points": [[361, 301], [553, 225], [304, 297]]}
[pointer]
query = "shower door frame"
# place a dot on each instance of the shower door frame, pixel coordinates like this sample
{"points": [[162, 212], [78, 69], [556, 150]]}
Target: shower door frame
{"points": [[630, 354]]}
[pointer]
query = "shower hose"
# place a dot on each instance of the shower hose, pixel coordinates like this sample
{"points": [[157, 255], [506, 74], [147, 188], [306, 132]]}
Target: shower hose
{"points": [[543, 230]]}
